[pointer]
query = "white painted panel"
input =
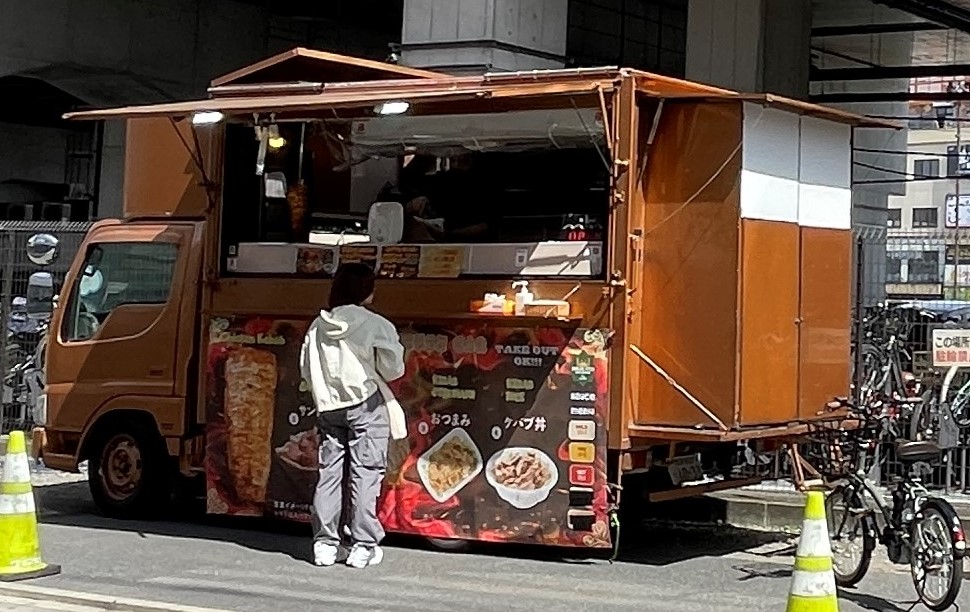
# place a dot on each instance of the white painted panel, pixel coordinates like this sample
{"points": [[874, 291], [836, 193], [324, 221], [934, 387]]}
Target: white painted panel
{"points": [[823, 206], [826, 156], [825, 174], [769, 177], [768, 198]]}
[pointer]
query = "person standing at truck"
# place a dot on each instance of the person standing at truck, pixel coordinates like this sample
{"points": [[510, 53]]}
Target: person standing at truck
{"points": [[348, 356]]}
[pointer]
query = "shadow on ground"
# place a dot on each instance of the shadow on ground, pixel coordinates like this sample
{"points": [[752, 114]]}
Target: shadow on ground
{"points": [[874, 603], [657, 541]]}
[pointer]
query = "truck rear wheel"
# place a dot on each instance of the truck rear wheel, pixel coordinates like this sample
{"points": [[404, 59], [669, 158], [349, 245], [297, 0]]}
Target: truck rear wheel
{"points": [[130, 475]]}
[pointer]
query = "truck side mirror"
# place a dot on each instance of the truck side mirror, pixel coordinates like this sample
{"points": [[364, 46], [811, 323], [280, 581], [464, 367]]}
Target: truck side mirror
{"points": [[40, 295], [42, 249]]}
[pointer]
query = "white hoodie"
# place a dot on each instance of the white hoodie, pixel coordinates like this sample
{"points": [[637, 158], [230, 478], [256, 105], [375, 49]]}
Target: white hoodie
{"points": [[348, 354]]}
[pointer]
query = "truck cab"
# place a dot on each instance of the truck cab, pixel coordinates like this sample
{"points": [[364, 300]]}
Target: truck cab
{"points": [[121, 358]]}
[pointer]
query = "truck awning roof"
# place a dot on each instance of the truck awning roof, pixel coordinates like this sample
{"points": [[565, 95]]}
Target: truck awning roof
{"points": [[354, 95], [265, 97], [301, 64]]}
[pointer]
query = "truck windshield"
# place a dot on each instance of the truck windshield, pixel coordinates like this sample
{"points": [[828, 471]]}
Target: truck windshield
{"points": [[117, 274], [521, 177]]}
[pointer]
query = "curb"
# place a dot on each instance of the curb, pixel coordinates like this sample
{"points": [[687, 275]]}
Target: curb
{"points": [[107, 602], [781, 511]]}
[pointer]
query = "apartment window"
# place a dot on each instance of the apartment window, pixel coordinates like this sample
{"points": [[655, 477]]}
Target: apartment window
{"points": [[926, 167], [895, 218], [924, 217], [924, 268], [894, 268]]}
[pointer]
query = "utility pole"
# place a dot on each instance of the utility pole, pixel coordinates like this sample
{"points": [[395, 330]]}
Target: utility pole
{"points": [[957, 87], [956, 195]]}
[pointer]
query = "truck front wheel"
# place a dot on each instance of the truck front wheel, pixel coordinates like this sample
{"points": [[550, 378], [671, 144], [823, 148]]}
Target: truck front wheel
{"points": [[129, 473]]}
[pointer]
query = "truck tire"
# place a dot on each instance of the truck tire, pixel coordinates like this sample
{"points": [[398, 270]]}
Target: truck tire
{"points": [[130, 472], [449, 545]]}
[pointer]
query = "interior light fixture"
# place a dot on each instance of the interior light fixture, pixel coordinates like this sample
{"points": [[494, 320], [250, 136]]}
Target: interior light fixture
{"points": [[275, 141], [397, 107], [207, 118]]}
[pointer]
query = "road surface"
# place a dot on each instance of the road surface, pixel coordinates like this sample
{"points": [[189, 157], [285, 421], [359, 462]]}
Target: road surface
{"points": [[231, 565]]}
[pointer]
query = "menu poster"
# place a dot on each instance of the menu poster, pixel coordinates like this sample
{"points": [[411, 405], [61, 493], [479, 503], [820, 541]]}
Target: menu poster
{"points": [[354, 253], [507, 438], [399, 261], [261, 437], [506, 430], [316, 261], [441, 261]]}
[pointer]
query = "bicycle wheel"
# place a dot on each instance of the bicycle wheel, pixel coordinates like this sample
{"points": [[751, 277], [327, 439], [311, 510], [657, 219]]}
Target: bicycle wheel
{"points": [[960, 406], [875, 374], [852, 534], [936, 568]]}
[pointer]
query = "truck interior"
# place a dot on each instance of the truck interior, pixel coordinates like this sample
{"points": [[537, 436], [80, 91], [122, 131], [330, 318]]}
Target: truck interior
{"points": [[522, 177]]}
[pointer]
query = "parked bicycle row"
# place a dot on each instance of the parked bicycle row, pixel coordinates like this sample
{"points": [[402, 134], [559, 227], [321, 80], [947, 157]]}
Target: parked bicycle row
{"points": [[916, 528]]}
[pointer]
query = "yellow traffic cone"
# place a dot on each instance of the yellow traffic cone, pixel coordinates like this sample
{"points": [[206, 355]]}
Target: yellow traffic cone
{"points": [[19, 545], [813, 582]]}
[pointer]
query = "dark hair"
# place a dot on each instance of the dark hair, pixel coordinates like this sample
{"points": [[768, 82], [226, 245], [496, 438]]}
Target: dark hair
{"points": [[352, 284]]}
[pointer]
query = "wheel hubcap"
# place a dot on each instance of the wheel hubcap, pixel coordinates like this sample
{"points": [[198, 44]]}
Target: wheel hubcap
{"points": [[121, 467]]}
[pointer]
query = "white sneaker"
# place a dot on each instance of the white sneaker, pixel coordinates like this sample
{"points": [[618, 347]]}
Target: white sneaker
{"points": [[363, 556], [325, 555]]}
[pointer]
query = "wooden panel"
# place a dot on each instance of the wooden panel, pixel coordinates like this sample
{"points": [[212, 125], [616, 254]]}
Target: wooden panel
{"points": [[690, 262], [824, 368], [769, 322], [160, 177]]}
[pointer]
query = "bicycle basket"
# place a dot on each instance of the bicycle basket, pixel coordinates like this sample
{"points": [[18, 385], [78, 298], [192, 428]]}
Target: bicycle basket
{"points": [[836, 448]]}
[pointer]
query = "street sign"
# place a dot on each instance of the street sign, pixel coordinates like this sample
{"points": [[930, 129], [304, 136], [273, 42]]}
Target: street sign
{"points": [[951, 347]]}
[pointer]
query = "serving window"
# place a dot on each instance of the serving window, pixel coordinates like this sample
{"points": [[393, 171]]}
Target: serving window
{"points": [[522, 193]]}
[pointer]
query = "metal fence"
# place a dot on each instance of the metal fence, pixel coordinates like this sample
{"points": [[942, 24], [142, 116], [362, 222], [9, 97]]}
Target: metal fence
{"points": [[921, 277], [21, 334]]}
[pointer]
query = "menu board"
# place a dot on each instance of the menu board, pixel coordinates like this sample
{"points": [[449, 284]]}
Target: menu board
{"points": [[316, 261], [353, 253], [441, 261], [506, 430], [399, 261]]}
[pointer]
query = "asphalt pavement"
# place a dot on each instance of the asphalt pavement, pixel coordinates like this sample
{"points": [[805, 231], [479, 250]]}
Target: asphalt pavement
{"points": [[259, 567]]}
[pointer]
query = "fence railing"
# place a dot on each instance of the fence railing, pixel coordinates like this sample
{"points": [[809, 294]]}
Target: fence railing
{"points": [[21, 335]]}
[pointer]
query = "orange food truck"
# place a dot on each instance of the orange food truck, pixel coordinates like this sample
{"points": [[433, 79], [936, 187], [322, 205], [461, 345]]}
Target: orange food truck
{"points": [[595, 273]]}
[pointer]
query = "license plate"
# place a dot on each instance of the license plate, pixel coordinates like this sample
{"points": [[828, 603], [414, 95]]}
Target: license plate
{"points": [[685, 469]]}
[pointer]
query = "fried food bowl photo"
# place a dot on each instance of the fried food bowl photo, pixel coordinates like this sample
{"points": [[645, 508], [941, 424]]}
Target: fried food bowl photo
{"points": [[449, 465], [522, 476]]}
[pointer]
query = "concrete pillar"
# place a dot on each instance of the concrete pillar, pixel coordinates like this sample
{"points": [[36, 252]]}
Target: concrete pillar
{"points": [[111, 195], [750, 45], [474, 36]]}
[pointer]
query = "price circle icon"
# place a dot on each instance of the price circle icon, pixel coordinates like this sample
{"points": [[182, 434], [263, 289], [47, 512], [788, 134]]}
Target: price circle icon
{"points": [[496, 433], [294, 419], [423, 428]]}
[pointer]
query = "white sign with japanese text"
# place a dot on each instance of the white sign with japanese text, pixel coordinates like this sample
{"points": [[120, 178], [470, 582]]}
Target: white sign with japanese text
{"points": [[951, 347]]}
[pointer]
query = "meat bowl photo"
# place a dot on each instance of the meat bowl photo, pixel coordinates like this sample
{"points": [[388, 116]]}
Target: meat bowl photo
{"points": [[522, 476]]}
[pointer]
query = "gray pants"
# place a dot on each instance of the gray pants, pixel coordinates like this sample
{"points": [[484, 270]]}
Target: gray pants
{"points": [[353, 452]]}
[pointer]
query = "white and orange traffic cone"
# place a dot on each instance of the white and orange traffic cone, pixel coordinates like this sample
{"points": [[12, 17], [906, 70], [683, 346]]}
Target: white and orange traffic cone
{"points": [[813, 581], [19, 545]]}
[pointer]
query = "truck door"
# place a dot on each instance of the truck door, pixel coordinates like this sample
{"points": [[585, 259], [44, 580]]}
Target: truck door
{"points": [[123, 333]]}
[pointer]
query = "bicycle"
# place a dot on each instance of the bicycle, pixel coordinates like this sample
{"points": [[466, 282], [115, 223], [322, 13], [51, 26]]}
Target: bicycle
{"points": [[916, 528], [944, 400], [885, 358]]}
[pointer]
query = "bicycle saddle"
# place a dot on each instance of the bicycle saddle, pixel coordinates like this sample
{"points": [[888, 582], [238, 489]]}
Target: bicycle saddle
{"points": [[917, 451]]}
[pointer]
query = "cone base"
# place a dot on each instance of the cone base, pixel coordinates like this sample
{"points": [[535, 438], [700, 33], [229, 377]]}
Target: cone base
{"points": [[47, 570], [797, 603]]}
